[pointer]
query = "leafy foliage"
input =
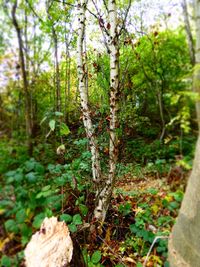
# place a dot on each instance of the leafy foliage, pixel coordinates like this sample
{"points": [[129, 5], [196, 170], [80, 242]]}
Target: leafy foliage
{"points": [[154, 95]]}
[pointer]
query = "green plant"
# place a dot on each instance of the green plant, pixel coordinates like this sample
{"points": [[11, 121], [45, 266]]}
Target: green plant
{"points": [[94, 259], [72, 221]]}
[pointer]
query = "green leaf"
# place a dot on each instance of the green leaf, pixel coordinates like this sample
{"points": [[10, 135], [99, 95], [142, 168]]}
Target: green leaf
{"points": [[6, 261], [52, 125], [38, 219], [96, 257], [21, 216], [139, 264], [77, 219], [174, 205], [29, 165], [119, 265], [18, 177], [31, 177], [152, 191], [59, 114], [39, 168], [72, 227], [25, 230], [11, 226], [44, 194], [26, 233], [46, 188], [66, 217], [133, 228], [84, 209], [64, 129]]}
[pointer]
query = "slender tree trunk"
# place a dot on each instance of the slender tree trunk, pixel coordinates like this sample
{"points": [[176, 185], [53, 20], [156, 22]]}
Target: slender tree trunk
{"points": [[184, 245], [161, 110], [24, 77], [58, 104], [188, 32], [67, 75], [103, 199], [57, 71], [96, 167]]}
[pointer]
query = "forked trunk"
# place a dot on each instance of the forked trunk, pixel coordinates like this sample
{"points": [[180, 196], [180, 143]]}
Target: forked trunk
{"points": [[104, 187]]}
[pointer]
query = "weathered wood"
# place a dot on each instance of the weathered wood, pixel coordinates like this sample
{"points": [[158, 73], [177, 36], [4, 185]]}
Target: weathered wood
{"points": [[51, 246]]}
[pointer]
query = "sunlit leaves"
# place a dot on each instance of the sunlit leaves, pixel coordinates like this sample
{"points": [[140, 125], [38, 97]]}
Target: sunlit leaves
{"points": [[64, 129], [52, 125]]}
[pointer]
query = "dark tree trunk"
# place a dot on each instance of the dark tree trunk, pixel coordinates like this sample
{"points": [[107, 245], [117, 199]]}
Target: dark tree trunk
{"points": [[25, 79]]}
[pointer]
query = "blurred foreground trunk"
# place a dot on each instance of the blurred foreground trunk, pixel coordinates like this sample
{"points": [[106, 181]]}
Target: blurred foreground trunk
{"points": [[184, 245]]}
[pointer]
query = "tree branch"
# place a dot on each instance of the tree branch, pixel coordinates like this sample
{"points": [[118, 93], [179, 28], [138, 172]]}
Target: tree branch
{"points": [[34, 12], [125, 18]]}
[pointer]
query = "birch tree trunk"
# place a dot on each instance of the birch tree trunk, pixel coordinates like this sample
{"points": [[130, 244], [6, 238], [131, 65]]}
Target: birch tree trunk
{"points": [[184, 245], [105, 192], [82, 76], [188, 32]]}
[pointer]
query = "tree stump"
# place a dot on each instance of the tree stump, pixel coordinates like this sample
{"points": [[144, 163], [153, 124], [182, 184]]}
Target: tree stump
{"points": [[51, 246]]}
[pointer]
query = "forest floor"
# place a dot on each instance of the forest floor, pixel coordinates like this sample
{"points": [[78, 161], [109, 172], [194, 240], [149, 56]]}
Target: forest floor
{"points": [[141, 215], [140, 219]]}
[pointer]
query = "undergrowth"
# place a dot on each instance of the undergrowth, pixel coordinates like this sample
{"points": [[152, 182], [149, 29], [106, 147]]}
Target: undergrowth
{"points": [[35, 188]]}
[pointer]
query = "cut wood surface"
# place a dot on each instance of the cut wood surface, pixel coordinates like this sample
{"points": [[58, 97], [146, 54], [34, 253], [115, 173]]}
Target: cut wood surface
{"points": [[51, 246]]}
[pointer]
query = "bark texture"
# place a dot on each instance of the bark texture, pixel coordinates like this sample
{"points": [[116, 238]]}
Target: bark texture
{"points": [[184, 244], [188, 32], [105, 192], [51, 246], [82, 78]]}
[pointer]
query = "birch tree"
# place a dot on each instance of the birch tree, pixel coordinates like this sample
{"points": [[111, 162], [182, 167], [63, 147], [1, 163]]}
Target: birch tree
{"points": [[82, 77], [188, 31], [184, 241], [111, 32], [105, 192]]}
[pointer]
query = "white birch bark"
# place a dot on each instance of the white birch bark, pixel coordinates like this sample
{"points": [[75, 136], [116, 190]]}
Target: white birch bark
{"points": [[103, 199], [82, 78], [188, 32]]}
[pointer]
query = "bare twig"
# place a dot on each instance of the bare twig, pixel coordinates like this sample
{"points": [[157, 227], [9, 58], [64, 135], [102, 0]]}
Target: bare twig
{"points": [[151, 247], [63, 2], [102, 24], [125, 17], [119, 258], [33, 10], [102, 30]]}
